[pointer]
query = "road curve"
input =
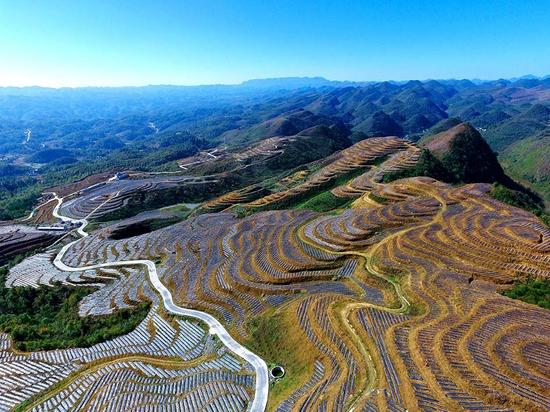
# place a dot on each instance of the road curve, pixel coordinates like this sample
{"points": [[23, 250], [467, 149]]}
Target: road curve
{"points": [[216, 328]]}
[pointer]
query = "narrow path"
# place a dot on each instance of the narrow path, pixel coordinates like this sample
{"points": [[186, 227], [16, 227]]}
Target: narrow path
{"points": [[216, 328], [349, 308]]}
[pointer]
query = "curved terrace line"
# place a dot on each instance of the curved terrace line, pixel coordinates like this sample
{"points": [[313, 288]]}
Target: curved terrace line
{"points": [[216, 328]]}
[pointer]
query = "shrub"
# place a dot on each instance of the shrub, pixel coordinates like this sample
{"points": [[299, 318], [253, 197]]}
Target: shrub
{"points": [[47, 317], [536, 292]]}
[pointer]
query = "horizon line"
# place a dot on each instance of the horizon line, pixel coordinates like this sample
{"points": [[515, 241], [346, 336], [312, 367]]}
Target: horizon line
{"points": [[322, 78]]}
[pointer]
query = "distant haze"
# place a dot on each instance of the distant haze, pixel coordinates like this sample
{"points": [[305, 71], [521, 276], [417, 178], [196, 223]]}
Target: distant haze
{"points": [[252, 85]]}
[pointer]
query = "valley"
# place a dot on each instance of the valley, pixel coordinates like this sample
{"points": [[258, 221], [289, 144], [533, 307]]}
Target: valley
{"points": [[384, 261], [274, 206]]}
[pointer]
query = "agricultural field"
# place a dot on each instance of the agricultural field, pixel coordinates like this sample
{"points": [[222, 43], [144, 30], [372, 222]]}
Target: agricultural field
{"points": [[18, 238], [371, 296]]}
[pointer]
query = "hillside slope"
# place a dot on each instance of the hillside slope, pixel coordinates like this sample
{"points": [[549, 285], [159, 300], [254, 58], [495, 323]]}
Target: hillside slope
{"points": [[465, 154], [525, 124], [528, 160]]}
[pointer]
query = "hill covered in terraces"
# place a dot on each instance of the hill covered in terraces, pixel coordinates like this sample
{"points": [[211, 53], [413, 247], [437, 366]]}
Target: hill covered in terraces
{"points": [[382, 243]]}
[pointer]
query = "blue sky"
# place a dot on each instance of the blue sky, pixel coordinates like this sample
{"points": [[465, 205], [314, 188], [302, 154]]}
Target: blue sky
{"points": [[139, 42]]}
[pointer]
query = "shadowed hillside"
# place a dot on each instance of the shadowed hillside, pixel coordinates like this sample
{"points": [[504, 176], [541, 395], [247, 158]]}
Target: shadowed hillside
{"points": [[465, 154]]}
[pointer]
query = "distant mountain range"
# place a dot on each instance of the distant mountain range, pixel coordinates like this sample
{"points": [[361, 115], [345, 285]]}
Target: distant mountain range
{"points": [[276, 83], [58, 134], [315, 82]]}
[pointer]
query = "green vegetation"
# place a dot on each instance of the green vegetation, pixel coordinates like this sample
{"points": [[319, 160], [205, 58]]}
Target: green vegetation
{"points": [[522, 199], [324, 202], [528, 160], [18, 193], [310, 145], [266, 335], [465, 157], [301, 198], [179, 209], [470, 159], [427, 165], [380, 124], [240, 211], [536, 292], [49, 155], [443, 125], [378, 199], [89, 131], [47, 317], [143, 201], [520, 126], [274, 338], [18, 204]]}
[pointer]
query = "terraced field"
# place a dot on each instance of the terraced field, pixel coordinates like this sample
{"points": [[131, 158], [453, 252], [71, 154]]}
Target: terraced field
{"points": [[359, 156], [392, 304], [303, 183], [116, 194], [397, 304], [191, 366], [177, 355], [369, 182], [17, 238], [265, 148]]}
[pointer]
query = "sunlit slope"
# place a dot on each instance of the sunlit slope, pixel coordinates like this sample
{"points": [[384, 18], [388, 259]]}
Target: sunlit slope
{"points": [[391, 306]]}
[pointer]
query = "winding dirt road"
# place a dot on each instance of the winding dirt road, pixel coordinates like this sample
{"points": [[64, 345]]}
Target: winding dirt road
{"points": [[216, 328]]}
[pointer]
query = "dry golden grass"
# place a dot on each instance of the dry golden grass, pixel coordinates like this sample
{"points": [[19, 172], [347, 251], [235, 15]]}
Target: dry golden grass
{"points": [[393, 304]]}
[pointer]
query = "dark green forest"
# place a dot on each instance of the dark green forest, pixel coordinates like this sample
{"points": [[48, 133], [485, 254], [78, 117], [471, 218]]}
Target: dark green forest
{"points": [[80, 132], [47, 317]]}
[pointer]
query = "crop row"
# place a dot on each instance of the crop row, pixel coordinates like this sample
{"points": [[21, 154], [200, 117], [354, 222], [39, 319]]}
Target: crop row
{"points": [[462, 347], [465, 352], [267, 147], [217, 376], [333, 385], [137, 385], [358, 156], [370, 180], [232, 198], [226, 266]]}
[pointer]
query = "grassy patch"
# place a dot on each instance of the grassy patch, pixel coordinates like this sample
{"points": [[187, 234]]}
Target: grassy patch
{"points": [[180, 209], [324, 202], [94, 225], [47, 317], [378, 199], [279, 341], [536, 292], [241, 211], [416, 309]]}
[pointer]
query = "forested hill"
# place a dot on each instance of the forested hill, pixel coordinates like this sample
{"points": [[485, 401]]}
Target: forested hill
{"points": [[48, 136]]}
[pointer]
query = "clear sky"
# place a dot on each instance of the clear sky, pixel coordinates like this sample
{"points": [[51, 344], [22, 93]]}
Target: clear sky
{"points": [[139, 42]]}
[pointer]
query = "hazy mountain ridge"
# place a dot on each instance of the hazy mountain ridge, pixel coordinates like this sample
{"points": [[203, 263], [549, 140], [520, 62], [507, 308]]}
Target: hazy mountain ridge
{"points": [[57, 134]]}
